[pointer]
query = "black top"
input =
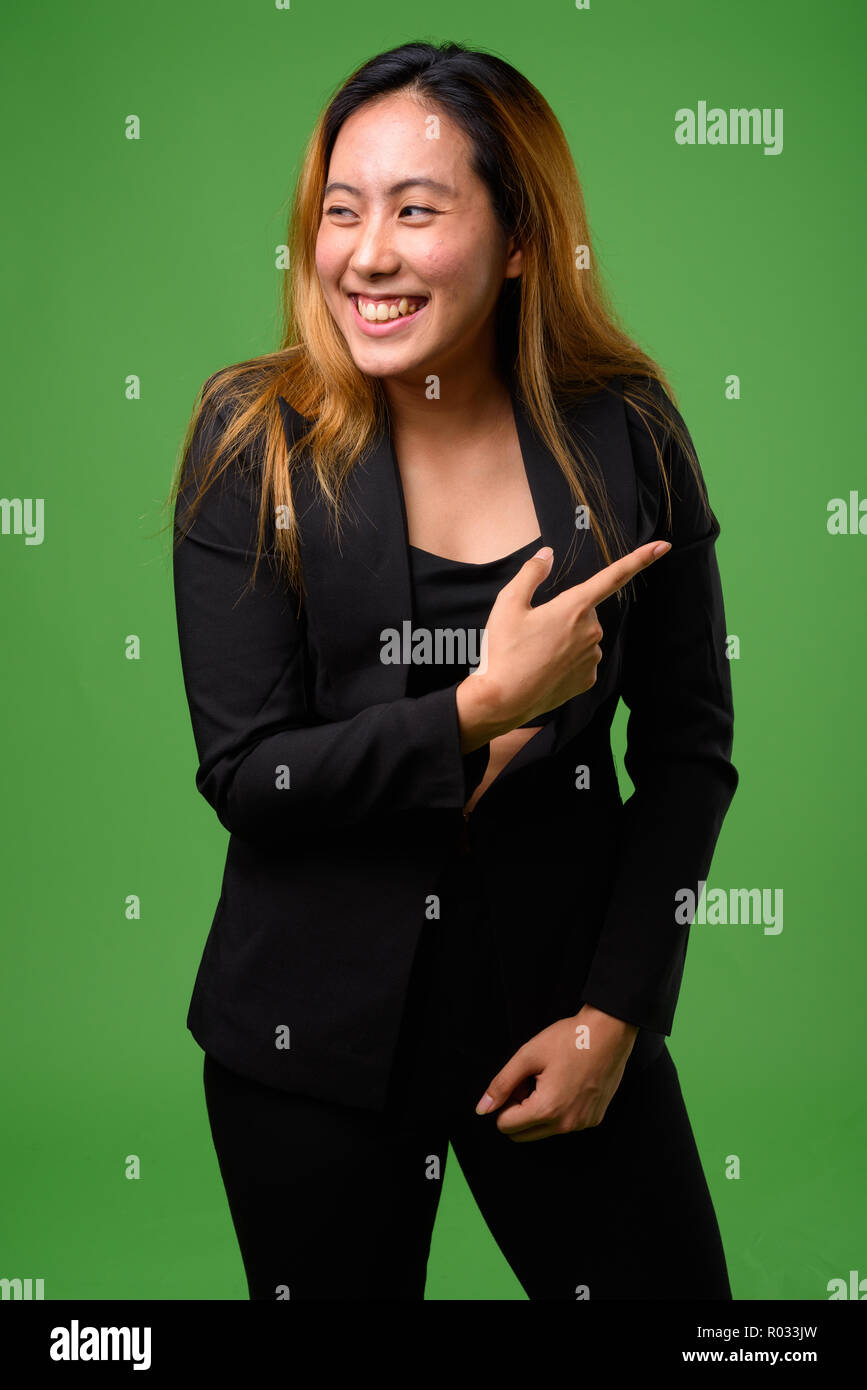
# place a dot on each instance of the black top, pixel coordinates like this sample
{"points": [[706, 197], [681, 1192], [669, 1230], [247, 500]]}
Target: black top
{"points": [[452, 600]]}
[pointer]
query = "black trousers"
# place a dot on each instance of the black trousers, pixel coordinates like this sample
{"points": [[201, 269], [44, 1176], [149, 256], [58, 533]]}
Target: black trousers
{"points": [[336, 1202]]}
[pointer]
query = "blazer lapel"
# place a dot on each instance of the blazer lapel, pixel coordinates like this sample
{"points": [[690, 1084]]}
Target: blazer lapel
{"points": [[359, 585]]}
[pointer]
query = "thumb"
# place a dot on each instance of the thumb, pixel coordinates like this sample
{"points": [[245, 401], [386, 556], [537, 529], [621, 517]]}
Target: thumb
{"points": [[531, 573], [526, 1062]]}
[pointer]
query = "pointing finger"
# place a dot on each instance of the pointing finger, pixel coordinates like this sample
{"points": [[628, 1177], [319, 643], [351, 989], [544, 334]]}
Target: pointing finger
{"points": [[607, 581]]}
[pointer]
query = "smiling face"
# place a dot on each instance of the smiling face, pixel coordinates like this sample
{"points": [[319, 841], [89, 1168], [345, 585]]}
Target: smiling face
{"points": [[406, 222]]}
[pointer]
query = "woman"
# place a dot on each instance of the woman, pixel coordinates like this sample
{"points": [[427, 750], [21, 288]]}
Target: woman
{"points": [[438, 921]]}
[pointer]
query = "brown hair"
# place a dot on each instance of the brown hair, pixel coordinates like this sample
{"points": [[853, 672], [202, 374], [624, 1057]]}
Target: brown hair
{"points": [[557, 335]]}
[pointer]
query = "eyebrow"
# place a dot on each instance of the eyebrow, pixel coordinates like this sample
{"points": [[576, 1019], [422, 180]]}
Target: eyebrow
{"points": [[396, 187]]}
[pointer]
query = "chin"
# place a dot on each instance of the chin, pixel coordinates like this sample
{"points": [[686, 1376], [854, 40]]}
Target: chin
{"points": [[379, 362], [382, 370]]}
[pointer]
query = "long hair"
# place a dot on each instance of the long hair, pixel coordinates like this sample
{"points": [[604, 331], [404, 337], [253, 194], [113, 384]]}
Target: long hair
{"points": [[557, 336]]}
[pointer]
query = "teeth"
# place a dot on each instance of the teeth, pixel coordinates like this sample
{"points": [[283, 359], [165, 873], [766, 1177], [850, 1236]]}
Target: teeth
{"points": [[378, 312]]}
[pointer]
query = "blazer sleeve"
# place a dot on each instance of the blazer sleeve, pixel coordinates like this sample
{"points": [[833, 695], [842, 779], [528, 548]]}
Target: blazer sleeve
{"points": [[266, 764], [676, 682]]}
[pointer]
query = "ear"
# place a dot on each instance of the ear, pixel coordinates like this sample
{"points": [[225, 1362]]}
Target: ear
{"points": [[514, 260]]}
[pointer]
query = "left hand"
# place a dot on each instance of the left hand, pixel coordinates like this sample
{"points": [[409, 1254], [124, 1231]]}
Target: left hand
{"points": [[576, 1074]]}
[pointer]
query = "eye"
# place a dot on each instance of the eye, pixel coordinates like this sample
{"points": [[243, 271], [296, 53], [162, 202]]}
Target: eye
{"points": [[337, 210]]}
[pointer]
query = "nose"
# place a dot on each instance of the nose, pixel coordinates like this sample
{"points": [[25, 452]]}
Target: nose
{"points": [[373, 251]]}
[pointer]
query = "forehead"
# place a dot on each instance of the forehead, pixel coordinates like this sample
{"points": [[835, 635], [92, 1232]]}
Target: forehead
{"points": [[394, 136]]}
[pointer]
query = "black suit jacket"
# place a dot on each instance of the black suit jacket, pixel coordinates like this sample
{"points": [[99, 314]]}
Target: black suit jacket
{"points": [[342, 796]]}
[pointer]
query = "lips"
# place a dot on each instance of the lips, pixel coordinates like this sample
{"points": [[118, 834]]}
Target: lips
{"points": [[397, 323], [379, 308], [388, 298]]}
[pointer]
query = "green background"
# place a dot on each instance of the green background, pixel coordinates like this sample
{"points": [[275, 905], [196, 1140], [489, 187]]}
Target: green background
{"points": [[157, 257]]}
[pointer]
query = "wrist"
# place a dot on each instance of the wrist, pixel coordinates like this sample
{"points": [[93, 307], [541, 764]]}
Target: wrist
{"points": [[589, 1014], [479, 714]]}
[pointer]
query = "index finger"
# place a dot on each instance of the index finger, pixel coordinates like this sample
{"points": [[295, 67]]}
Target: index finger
{"points": [[607, 581]]}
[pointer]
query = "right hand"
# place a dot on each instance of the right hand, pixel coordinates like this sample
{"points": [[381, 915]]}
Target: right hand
{"points": [[535, 659]]}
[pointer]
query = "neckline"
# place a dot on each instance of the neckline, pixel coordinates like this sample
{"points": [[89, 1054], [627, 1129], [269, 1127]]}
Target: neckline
{"points": [[476, 564], [526, 443]]}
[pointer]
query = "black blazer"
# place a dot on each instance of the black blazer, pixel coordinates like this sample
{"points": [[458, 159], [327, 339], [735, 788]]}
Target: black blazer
{"points": [[342, 795]]}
